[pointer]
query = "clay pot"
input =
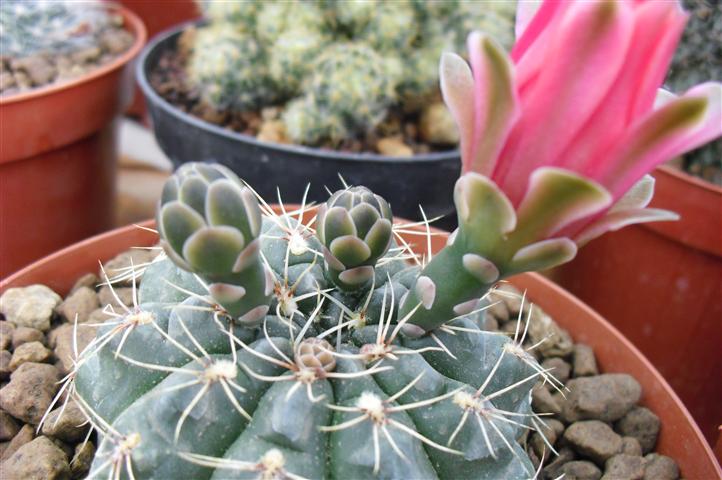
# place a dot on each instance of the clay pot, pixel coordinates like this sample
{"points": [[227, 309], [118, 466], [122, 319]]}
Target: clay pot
{"points": [[57, 158], [680, 438], [661, 285], [157, 15]]}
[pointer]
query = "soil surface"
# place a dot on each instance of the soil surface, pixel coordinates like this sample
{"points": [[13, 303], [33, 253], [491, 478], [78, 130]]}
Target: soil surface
{"points": [[21, 74], [400, 134]]}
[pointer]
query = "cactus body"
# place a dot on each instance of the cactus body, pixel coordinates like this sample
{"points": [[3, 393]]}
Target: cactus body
{"points": [[229, 68], [333, 382]]}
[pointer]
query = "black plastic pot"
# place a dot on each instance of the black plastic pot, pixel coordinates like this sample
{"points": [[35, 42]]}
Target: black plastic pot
{"points": [[406, 183]]}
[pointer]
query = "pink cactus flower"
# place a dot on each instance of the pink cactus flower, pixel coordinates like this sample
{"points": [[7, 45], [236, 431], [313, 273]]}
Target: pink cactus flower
{"points": [[567, 125]]}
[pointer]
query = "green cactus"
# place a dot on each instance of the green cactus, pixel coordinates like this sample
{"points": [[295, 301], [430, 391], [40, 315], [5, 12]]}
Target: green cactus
{"points": [[291, 58], [228, 67], [210, 225], [354, 226], [242, 14], [350, 84], [393, 28], [333, 382], [50, 27], [341, 66]]}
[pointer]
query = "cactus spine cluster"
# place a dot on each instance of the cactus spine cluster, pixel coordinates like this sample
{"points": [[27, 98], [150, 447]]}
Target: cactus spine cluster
{"points": [[266, 345], [340, 65]]}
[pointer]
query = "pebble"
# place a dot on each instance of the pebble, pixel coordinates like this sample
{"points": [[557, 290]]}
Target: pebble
{"points": [[437, 126], [273, 131], [25, 335], [89, 280], [8, 426], [583, 362], [38, 69], [30, 352], [121, 264], [606, 397], [553, 340], [497, 309], [29, 306], [660, 467], [631, 446], [40, 459], [624, 467], [394, 147], [68, 424], [5, 358], [25, 435], [553, 469], [580, 470], [593, 439], [80, 303], [542, 400], [7, 330], [62, 342], [642, 424], [30, 391], [82, 459], [560, 369], [106, 297]]}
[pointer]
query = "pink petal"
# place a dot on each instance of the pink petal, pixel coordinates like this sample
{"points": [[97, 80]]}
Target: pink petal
{"points": [[525, 12], [604, 128], [582, 60], [621, 218], [680, 126], [546, 14], [669, 19], [495, 102], [555, 199], [457, 88]]}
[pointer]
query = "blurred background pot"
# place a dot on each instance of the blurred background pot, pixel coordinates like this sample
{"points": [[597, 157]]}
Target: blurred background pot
{"points": [[426, 180], [679, 437], [158, 15], [58, 156], [661, 285]]}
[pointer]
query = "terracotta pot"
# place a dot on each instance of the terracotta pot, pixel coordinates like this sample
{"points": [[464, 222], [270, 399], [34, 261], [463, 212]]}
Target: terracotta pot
{"points": [[158, 15], [679, 437], [661, 285], [57, 158]]}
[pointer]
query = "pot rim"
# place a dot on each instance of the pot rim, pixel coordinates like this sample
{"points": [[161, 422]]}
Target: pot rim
{"points": [[153, 97], [133, 24], [691, 179], [119, 238]]}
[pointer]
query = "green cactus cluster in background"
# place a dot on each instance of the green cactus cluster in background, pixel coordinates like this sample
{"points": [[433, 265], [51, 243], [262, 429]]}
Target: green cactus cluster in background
{"points": [[49, 26], [286, 345], [698, 59], [339, 66]]}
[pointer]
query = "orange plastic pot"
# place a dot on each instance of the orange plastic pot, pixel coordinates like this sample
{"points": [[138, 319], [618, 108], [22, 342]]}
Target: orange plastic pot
{"points": [[158, 15], [661, 285], [679, 437], [58, 157]]}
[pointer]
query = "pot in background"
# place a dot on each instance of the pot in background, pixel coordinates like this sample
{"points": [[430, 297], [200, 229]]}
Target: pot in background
{"points": [[426, 180], [58, 155], [157, 15], [660, 284], [679, 437]]}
